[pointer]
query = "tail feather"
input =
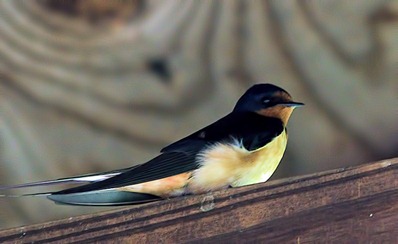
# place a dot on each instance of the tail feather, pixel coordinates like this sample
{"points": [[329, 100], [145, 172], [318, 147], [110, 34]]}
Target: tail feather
{"points": [[104, 197], [87, 178], [108, 197], [38, 194]]}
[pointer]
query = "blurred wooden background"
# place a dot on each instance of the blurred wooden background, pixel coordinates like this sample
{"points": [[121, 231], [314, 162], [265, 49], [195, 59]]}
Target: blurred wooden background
{"points": [[95, 85]]}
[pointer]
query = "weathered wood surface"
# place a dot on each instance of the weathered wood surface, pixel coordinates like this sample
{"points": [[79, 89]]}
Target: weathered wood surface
{"points": [[355, 205]]}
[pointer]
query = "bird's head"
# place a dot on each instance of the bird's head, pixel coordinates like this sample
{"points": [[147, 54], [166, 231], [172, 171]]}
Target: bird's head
{"points": [[267, 100]]}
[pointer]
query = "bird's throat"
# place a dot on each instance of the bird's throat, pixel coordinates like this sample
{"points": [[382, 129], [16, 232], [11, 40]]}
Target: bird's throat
{"points": [[279, 112]]}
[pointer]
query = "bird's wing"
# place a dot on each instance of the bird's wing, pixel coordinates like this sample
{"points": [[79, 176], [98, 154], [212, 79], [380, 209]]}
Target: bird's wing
{"points": [[165, 165], [106, 192]]}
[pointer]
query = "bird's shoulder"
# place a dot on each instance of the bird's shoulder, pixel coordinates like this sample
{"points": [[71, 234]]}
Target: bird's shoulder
{"points": [[250, 128]]}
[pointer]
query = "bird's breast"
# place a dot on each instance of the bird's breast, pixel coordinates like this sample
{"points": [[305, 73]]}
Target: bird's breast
{"points": [[264, 163], [223, 165]]}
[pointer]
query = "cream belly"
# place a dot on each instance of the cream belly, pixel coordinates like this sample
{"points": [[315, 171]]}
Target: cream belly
{"points": [[222, 165], [232, 165], [166, 187]]}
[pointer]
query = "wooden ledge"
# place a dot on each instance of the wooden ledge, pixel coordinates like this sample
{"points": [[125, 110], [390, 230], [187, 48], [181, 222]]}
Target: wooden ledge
{"points": [[354, 205]]}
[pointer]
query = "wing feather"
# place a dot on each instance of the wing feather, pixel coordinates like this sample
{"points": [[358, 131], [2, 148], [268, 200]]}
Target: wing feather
{"points": [[164, 165]]}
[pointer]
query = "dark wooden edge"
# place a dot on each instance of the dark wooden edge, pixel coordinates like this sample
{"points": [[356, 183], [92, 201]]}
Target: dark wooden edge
{"points": [[353, 204]]}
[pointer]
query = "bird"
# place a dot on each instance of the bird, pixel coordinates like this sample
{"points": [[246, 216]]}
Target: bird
{"points": [[242, 148]]}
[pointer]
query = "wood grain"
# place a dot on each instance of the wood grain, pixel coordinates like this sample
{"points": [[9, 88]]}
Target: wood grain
{"points": [[354, 205]]}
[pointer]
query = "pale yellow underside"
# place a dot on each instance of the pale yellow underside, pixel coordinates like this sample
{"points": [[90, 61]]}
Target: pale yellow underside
{"points": [[222, 165]]}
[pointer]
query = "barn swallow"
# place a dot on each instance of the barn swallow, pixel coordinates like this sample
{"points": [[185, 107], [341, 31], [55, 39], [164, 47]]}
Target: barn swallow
{"points": [[242, 148]]}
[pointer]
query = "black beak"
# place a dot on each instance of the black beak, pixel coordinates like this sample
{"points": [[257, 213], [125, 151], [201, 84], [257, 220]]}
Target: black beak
{"points": [[292, 104]]}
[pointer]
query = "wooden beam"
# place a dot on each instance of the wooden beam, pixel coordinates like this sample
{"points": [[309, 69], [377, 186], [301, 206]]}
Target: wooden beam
{"points": [[355, 205]]}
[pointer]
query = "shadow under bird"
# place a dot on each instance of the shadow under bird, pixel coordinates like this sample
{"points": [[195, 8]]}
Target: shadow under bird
{"points": [[242, 148]]}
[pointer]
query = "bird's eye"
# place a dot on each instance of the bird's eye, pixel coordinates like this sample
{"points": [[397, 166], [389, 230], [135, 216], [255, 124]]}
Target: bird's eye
{"points": [[266, 100]]}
